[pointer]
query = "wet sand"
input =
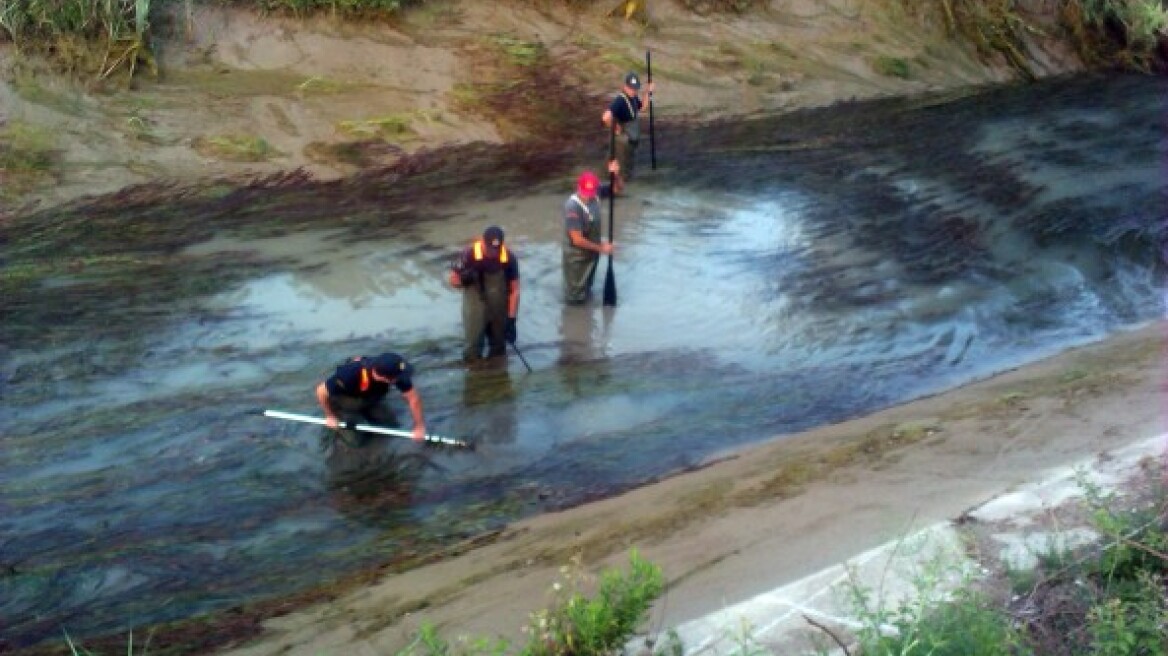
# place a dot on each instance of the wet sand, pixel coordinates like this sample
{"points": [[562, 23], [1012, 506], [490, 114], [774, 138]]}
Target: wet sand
{"points": [[757, 519]]}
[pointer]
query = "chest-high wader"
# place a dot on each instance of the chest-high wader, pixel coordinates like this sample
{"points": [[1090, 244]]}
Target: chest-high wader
{"points": [[484, 307], [580, 264], [626, 147]]}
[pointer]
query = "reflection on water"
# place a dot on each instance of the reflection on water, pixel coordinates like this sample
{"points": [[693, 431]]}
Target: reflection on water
{"points": [[764, 288]]}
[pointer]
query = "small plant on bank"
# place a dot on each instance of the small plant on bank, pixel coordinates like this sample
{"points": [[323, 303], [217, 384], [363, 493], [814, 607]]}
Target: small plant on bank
{"points": [[891, 67], [238, 148], [26, 157], [25, 149], [574, 623], [931, 621]]}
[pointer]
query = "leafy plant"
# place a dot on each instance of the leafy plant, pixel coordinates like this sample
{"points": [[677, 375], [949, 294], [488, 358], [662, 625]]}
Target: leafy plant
{"points": [[1135, 622], [574, 623]]}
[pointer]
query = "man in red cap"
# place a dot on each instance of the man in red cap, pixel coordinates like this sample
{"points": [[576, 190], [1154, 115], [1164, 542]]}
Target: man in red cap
{"points": [[488, 275], [358, 388], [582, 245]]}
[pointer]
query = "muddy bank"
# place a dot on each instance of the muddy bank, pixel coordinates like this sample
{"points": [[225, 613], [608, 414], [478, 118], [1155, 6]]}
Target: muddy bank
{"points": [[772, 513], [336, 99]]}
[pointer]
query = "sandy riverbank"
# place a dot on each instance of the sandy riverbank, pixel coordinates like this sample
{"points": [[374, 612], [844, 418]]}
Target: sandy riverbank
{"points": [[770, 515]]}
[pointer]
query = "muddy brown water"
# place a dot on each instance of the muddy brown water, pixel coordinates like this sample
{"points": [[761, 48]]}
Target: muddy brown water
{"points": [[773, 275]]}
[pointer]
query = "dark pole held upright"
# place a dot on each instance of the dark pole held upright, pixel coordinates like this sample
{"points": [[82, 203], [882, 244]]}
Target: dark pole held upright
{"points": [[652, 139], [610, 278]]}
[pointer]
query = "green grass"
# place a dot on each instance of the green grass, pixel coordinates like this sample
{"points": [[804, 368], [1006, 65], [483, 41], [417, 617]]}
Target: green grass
{"points": [[891, 67], [237, 148], [391, 127], [518, 51], [27, 158], [25, 149]]}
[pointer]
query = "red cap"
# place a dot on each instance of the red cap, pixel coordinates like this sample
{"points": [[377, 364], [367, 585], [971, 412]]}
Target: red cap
{"points": [[587, 183]]}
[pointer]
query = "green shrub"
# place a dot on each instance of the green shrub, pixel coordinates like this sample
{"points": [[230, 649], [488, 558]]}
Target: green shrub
{"points": [[1133, 622], [574, 623], [1142, 21]]}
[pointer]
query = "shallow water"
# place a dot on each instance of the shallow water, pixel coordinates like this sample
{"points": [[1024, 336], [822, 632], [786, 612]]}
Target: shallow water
{"points": [[773, 275]]}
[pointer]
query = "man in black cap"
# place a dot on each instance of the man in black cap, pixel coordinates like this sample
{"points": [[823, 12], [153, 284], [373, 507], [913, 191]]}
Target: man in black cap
{"points": [[358, 388], [624, 110], [488, 275]]}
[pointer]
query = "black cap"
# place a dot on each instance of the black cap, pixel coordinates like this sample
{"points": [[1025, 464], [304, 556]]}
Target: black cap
{"points": [[390, 365], [634, 81], [493, 236]]}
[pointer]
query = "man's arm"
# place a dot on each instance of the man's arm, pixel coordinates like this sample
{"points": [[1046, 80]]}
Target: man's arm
{"points": [[580, 241], [458, 269], [322, 397], [513, 298], [608, 117], [414, 400]]}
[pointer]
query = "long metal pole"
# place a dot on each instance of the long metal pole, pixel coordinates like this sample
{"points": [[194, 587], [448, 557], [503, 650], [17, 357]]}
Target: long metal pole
{"points": [[366, 428]]}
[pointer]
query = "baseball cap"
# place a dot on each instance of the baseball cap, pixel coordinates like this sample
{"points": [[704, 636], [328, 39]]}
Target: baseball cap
{"points": [[493, 236], [390, 364], [587, 183], [633, 81]]}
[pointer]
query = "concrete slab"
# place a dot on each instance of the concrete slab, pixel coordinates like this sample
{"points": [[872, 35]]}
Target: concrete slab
{"points": [[921, 568]]}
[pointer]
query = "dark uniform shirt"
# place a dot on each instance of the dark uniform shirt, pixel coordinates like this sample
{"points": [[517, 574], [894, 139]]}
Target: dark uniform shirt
{"points": [[624, 108], [355, 379], [471, 271]]}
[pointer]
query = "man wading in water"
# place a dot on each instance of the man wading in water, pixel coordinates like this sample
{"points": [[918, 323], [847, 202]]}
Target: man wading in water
{"points": [[625, 109], [582, 246], [488, 275], [358, 389]]}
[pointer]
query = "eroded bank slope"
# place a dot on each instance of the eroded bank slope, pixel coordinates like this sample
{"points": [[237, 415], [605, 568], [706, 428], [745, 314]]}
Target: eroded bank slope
{"points": [[241, 94]]}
